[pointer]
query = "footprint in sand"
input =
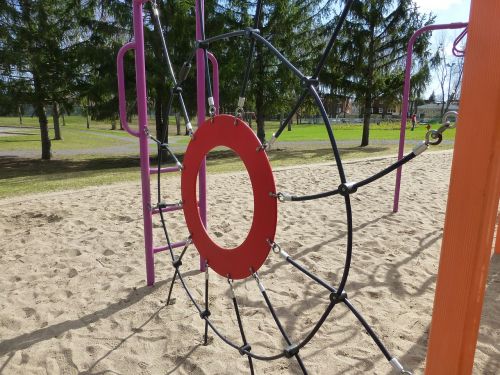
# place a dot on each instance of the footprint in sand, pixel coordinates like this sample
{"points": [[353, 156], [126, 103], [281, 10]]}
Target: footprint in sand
{"points": [[74, 253], [72, 273], [30, 312]]}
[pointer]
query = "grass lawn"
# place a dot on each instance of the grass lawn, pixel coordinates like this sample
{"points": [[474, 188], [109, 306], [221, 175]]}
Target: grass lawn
{"points": [[89, 166]]}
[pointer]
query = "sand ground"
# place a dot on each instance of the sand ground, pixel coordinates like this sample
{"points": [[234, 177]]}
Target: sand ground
{"points": [[73, 298]]}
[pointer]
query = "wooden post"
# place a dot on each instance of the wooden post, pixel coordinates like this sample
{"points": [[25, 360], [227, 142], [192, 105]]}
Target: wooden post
{"points": [[472, 202], [497, 245]]}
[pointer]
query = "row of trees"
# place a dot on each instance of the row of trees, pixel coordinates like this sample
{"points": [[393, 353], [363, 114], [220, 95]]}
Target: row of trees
{"points": [[62, 53]]}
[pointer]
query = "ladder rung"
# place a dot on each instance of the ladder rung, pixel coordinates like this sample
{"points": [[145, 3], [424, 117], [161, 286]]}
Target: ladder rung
{"points": [[174, 245], [168, 209], [163, 170]]}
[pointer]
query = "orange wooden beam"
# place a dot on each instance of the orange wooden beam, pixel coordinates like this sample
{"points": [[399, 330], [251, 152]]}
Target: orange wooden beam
{"points": [[472, 202], [497, 246]]}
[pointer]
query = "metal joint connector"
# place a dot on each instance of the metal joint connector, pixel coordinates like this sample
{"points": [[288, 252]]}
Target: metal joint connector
{"points": [[201, 44], [309, 81], [399, 367], [249, 31], [420, 148], [261, 287], [272, 140], [231, 288], [284, 197], [347, 188]]}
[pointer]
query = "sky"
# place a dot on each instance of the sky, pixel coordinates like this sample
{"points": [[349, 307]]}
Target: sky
{"points": [[446, 11]]}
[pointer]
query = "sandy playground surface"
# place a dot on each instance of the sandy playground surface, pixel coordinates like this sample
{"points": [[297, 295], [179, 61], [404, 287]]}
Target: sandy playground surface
{"points": [[73, 298]]}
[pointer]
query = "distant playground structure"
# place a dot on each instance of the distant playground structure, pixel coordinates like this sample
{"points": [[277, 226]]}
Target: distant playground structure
{"points": [[473, 194]]}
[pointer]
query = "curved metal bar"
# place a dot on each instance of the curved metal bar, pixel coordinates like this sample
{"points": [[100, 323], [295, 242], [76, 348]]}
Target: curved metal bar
{"points": [[217, 38], [456, 51], [406, 96], [255, 35], [319, 67], [122, 101], [385, 171], [278, 54], [215, 80], [314, 196]]}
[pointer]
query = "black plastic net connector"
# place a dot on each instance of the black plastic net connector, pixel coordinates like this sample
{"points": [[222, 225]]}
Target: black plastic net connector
{"points": [[341, 298], [201, 44], [177, 263], [205, 314], [164, 146], [291, 350], [162, 205], [244, 349], [177, 90], [347, 189], [250, 31], [308, 82]]}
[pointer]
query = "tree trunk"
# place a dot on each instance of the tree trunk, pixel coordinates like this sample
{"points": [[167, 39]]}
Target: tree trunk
{"points": [[63, 118], [44, 132], [178, 123], [88, 114], [113, 123], [20, 112], [261, 133], [42, 118], [259, 99], [368, 92], [55, 116], [365, 140], [158, 112]]}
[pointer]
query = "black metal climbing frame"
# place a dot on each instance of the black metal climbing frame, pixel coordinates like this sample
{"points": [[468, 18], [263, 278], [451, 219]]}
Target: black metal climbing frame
{"points": [[345, 189]]}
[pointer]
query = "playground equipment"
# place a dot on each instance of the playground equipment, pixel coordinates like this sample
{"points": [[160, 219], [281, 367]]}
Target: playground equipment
{"points": [[406, 89], [230, 130]]}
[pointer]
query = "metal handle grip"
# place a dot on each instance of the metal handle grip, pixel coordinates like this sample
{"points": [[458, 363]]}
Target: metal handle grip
{"points": [[122, 100]]}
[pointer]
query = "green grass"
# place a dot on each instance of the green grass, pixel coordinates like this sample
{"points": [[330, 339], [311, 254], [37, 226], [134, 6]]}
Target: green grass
{"points": [[89, 166], [26, 176]]}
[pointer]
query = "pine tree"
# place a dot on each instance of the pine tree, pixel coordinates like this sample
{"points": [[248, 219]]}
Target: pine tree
{"points": [[374, 48], [292, 27], [39, 38]]}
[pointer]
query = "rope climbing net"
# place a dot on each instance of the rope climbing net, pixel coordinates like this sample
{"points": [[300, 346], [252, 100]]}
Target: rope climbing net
{"points": [[231, 131]]}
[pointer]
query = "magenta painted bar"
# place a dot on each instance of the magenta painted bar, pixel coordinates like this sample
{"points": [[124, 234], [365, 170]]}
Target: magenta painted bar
{"points": [[168, 209], [406, 97], [140, 77], [201, 100], [163, 170], [165, 248], [456, 50], [215, 80], [122, 100]]}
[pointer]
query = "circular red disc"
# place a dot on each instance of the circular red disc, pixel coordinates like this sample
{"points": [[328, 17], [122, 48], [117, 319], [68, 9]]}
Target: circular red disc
{"points": [[225, 130]]}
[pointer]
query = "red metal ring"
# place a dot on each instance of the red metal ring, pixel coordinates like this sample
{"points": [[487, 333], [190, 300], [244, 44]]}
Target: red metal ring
{"points": [[228, 131]]}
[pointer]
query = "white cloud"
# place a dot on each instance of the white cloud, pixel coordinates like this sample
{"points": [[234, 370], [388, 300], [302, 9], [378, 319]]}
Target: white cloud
{"points": [[435, 5]]}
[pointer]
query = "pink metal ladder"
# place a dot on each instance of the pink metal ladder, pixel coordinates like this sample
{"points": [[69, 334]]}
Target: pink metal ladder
{"points": [[142, 133]]}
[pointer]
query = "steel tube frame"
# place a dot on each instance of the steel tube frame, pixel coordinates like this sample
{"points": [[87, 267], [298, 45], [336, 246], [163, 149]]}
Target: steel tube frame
{"points": [[142, 133], [406, 96]]}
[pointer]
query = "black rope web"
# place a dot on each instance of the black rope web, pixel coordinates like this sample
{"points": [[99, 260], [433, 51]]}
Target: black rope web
{"points": [[345, 189]]}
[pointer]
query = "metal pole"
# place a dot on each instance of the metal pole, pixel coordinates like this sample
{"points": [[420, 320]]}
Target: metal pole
{"points": [[201, 100], [406, 97], [140, 77]]}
